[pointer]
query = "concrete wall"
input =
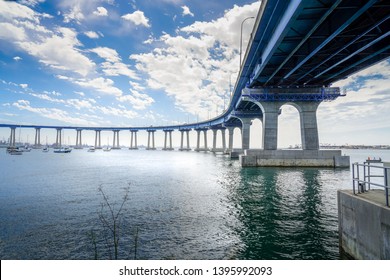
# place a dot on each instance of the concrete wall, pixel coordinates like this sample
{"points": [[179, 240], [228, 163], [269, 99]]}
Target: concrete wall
{"points": [[309, 158], [364, 227]]}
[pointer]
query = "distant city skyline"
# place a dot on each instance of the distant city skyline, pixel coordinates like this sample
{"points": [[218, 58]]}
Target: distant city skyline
{"points": [[142, 63]]}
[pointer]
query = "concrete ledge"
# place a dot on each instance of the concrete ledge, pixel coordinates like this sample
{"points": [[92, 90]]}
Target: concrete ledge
{"points": [[217, 150], [291, 158], [167, 149], [185, 149], [235, 153], [364, 225], [201, 150]]}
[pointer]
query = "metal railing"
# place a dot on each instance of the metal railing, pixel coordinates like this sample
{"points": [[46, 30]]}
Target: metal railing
{"points": [[362, 185]]}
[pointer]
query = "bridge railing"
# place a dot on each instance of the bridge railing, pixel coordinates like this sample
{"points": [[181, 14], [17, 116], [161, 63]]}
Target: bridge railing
{"points": [[363, 175]]}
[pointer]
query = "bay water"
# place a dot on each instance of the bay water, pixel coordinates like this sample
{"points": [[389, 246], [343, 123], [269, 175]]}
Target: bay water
{"points": [[180, 205]]}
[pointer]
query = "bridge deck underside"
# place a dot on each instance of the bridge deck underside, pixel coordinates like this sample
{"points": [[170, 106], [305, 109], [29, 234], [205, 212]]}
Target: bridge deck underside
{"points": [[324, 41]]}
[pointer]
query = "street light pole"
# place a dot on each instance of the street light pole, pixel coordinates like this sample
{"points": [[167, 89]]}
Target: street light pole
{"points": [[242, 23]]}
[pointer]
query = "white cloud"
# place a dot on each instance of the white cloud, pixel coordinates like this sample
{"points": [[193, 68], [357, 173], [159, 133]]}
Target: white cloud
{"points": [[138, 18], [198, 62], [100, 84], [11, 32], [186, 11], [52, 113], [69, 58], [138, 100], [113, 65], [74, 14], [17, 58], [91, 34], [100, 11], [23, 86]]}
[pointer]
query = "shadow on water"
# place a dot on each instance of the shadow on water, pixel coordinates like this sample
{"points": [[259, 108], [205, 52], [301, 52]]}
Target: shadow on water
{"points": [[283, 216]]}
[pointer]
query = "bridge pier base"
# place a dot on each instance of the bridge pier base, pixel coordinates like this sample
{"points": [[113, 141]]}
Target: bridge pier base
{"points": [[294, 158]]}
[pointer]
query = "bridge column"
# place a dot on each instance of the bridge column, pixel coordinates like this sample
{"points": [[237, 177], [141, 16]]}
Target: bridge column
{"points": [[309, 128], [79, 144], [231, 135], [12, 139], [215, 131], [182, 131], [188, 140], [115, 144], [98, 142], [198, 148], [168, 132], [151, 137], [270, 125], [223, 132], [133, 139], [245, 132], [37, 142], [59, 138]]}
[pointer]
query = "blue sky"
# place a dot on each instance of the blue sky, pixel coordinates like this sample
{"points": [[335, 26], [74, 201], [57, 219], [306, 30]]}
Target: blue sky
{"points": [[152, 62]]}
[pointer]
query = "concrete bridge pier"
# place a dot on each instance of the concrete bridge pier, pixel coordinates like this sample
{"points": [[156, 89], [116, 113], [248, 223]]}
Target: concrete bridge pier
{"points": [[98, 140], [245, 132], [79, 144], [115, 143], [168, 132], [151, 137], [59, 138], [12, 139], [215, 134], [133, 139], [37, 142], [187, 131], [198, 148]]}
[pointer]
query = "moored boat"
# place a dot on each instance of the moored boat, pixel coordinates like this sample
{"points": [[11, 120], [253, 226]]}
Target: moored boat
{"points": [[63, 150]]}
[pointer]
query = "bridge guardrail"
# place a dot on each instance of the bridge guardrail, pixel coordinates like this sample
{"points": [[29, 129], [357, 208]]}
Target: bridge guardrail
{"points": [[362, 185]]}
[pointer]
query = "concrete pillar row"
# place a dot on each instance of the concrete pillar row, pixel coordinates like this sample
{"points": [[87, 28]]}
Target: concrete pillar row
{"points": [[215, 131], [223, 132], [188, 140]]}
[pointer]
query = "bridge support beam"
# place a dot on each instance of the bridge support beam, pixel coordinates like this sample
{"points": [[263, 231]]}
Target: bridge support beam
{"points": [[98, 140], [133, 139], [198, 148], [151, 145], [168, 132], [115, 142], [187, 131], [79, 144], [59, 138], [12, 139], [37, 142]]}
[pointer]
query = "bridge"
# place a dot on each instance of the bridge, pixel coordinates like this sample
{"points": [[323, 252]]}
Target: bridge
{"points": [[297, 49]]}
